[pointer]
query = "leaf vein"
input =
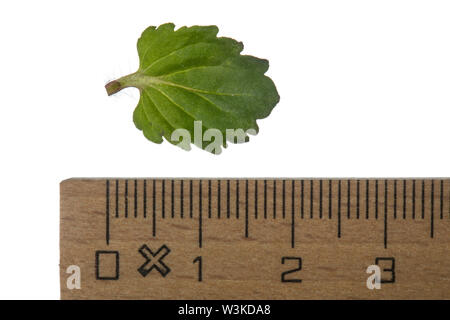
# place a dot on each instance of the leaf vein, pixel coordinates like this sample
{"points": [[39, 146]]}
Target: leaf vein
{"points": [[157, 110], [173, 84], [186, 70], [213, 104], [174, 103], [166, 55]]}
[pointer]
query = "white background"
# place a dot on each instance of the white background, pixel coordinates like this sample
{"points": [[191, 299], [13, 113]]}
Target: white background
{"points": [[364, 86]]}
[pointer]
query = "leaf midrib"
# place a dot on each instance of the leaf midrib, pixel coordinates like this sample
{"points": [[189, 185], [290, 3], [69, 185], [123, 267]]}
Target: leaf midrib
{"points": [[142, 81]]}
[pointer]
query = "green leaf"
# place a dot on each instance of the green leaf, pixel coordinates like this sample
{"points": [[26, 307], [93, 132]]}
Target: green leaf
{"points": [[191, 75]]}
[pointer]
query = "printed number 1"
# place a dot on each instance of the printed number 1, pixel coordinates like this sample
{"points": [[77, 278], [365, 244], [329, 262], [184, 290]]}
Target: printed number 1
{"points": [[199, 260]]}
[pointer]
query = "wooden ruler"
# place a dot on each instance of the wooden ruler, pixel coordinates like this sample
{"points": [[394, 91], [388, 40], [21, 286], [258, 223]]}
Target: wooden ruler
{"points": [[255, 239]]}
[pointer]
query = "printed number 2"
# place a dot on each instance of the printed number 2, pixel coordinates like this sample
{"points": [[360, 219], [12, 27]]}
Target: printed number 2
{"points": [[299, 267]]}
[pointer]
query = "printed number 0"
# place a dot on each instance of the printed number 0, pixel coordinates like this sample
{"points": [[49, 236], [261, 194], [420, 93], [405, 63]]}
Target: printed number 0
{"points": [[284, 274]]}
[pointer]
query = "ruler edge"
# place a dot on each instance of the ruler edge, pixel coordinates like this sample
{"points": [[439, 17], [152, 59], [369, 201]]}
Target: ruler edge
{"points": [[67, 181]]}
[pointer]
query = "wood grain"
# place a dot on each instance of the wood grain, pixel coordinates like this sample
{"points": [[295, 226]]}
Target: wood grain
{"points": [[241, 232]]}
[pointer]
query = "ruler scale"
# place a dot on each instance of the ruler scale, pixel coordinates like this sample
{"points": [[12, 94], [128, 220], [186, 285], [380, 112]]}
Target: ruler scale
{"points": [[255, 238]]}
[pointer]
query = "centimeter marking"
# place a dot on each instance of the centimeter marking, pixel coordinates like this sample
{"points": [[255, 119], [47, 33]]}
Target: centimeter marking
{"points": [[397, 197]]}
